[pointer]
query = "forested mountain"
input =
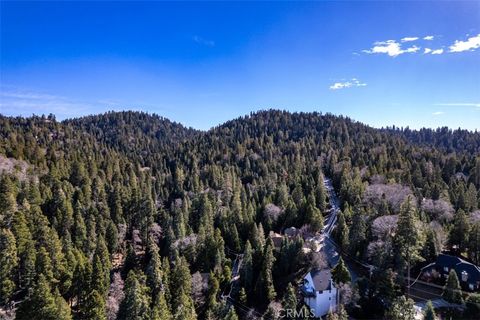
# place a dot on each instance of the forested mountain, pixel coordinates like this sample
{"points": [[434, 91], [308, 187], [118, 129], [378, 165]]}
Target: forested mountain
{"points": [[128, 215]]}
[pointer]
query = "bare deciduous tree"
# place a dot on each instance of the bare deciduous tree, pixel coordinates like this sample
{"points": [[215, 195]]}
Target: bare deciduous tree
{"points": [[439, 210], [115, 296]]}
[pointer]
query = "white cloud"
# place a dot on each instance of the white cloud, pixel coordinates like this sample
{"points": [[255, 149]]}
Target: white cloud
{"points": [[427, 50], [202, 41], [347, 84], [391, 48], [438, 113], [428, 38], [472, 43], [438, 51], [458, 104], [408, 39], [412, 49]]}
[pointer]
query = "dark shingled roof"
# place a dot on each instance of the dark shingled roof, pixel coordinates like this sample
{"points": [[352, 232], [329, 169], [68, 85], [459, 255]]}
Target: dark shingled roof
{"points": [[459, 265], [321, 279], [446, 260]]}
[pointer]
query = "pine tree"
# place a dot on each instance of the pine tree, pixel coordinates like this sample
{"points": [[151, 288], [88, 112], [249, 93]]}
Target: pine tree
{"points": [[387, 285], [474, 243], [160, 309], [452, 292], [242, 296], [289, 301], [402, 309], [264, 288], [341, 233], [213, 291], [185, 309], [321, 196], [154, 272], [95, 307], [246, 271], [231, 315], [429, 313], [8, 263], [357, 235], [340, 273], [407, 240], [181, 288], [62, 309], [136, 304], [314, 217], [43, 304], [8, 204], [460, 231], [111, 237]]}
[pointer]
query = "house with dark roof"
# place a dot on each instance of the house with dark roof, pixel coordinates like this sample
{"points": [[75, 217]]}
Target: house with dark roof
{"points": [[319, 292], [468, 274]]}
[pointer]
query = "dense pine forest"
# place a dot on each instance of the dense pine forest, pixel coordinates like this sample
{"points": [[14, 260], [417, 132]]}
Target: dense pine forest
{"points": [[128, 215]]}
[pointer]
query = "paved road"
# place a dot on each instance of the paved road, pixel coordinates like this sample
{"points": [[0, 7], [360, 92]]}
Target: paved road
{"points": [[327, 243]]}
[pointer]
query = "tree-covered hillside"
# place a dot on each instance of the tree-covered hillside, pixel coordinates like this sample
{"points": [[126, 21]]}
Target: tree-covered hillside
{"points": [[128, 215]]}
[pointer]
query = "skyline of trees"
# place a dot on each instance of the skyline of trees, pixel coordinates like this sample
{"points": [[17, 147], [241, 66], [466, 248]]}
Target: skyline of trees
{"points": [[128, 215]]}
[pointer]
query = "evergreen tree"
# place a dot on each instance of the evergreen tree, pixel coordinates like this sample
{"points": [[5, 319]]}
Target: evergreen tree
{"points": [[289, 301], [154, 272], [340, 273], [95, 307], [213, 291], [136, 304], [185, 309], [429, 313], [8, 263], [43, 304], [246, 271], [474, 243], [8, 204], [264, 287], [357, 235], [402, 309], [341, 233], [407, 240], [452, 292], [231, 315], [460, 231], [160, 310]]}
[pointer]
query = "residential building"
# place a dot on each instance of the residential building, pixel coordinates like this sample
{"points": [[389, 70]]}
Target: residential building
{"points": [[319, 292]]}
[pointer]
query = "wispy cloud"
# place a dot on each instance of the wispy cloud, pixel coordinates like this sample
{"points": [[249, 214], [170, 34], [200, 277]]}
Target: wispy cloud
{"points": [[347, 84], [409, 39], [203, 41], [428, 38], [431, 51], [470, 44], [27, 102], [438, 113], [458, 104], [391, 48]]}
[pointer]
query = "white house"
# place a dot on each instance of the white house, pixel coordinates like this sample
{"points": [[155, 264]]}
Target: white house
{"points": [[319, 292]]}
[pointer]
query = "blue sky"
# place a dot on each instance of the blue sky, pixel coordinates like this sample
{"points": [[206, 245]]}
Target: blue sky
{"points": [[204, 63]]}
